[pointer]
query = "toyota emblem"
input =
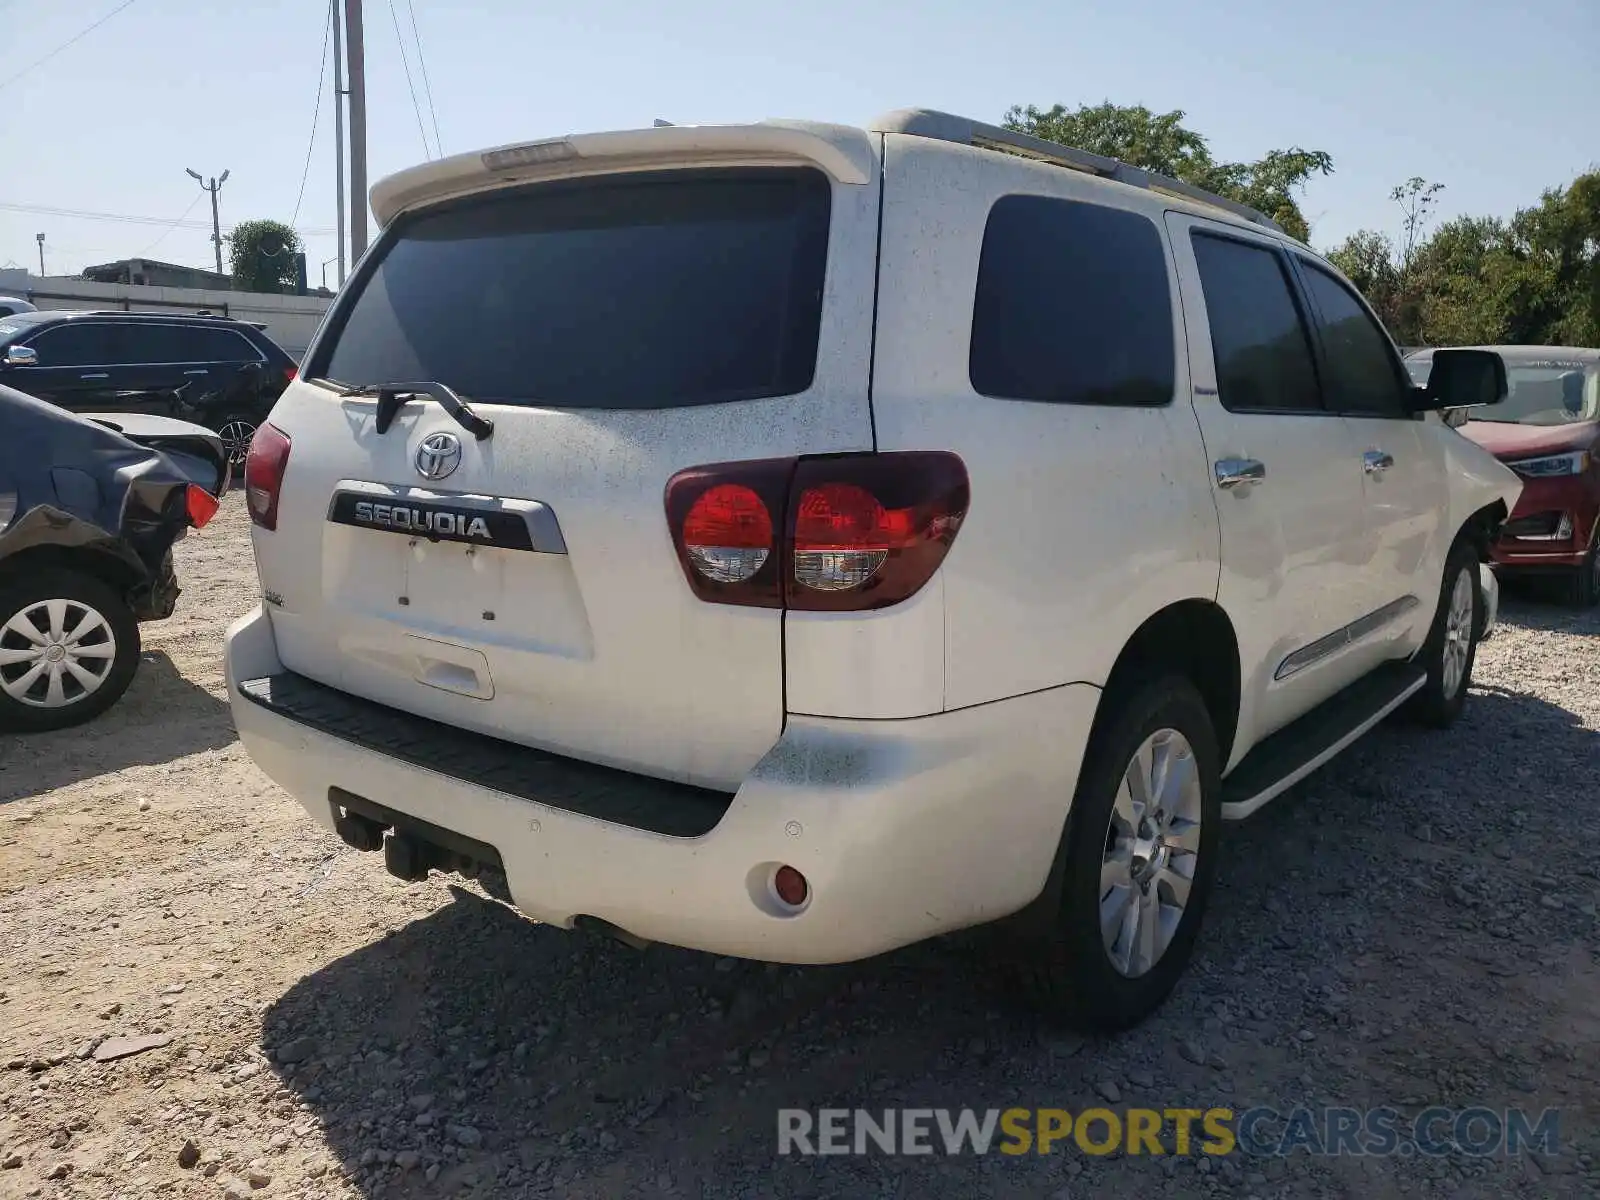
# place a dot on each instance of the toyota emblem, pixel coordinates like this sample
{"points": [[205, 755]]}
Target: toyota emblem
{"points": [[438, 455]]}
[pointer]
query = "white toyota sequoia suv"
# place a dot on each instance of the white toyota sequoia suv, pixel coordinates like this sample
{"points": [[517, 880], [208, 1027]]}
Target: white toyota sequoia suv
{"points": [[793, 541]]}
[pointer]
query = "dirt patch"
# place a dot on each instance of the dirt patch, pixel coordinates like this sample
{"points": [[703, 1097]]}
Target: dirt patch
{"points": [[1413, 926]]}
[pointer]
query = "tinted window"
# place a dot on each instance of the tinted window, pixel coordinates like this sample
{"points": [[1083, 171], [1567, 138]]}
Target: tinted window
{"points": [[17, 327], [141, 343], [156, 343], [1072, 306], [1362, 376], [1262, 352], [647, 292], [76, 345], [220, 345]]}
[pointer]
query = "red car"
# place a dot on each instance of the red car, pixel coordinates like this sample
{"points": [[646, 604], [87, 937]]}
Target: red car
{"points": [[1548, 431]]}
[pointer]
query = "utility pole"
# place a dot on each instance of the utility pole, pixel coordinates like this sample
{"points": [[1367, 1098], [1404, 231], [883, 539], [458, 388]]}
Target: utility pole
{"points": [[337, 17], [358, 130], [216, 222], [39, 237]]}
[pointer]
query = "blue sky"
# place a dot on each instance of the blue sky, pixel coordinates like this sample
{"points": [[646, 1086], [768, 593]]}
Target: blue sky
{"points": [[1496, 104]]}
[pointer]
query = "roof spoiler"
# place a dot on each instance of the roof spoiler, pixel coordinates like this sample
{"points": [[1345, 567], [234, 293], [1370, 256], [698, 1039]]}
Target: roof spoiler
{"points": [[947, 127]]}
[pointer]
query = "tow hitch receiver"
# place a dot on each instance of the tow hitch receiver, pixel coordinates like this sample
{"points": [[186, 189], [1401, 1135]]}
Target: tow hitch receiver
{"points": [[411, 848]]}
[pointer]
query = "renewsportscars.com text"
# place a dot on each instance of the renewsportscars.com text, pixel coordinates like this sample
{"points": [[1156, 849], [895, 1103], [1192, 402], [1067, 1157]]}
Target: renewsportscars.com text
{"points": [[1260, 1131]]}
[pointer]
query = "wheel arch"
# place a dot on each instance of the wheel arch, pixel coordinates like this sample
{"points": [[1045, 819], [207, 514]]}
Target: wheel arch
{"points": [[110, 569], [1482, 528], [1194, 638]]}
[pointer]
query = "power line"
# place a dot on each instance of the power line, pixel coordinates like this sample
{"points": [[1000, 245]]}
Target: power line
{"points": [[316, 112], [65, 45], [78, 214], [406, 64], [171, 227], [427, 87]]}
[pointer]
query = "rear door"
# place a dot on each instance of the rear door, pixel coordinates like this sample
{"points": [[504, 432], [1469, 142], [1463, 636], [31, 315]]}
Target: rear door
{"points": [[1285, 469], [224, 371], [149, 376], [616, 330]]}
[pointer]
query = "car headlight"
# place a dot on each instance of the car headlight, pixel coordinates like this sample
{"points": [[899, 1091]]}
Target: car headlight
{"points": [[1575, 463]]}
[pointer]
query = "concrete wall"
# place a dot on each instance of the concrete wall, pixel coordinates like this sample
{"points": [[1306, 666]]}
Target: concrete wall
{"points": [[290, 320]]}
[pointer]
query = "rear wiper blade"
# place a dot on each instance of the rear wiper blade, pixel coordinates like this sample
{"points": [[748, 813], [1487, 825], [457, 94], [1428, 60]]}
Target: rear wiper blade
{"points": [[392, 395]]}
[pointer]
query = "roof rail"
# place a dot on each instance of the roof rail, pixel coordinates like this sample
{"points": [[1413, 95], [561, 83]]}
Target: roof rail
{"points": [[947, 127], [145, 312]]}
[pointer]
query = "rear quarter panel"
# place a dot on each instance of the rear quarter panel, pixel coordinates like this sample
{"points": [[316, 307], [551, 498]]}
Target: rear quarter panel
{"points": [[1085, 520]]}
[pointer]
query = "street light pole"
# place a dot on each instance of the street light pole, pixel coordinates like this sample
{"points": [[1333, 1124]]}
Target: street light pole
{"points": [[39, 237], [216, 223], [356, 81], [338, 259], [336, 17]]}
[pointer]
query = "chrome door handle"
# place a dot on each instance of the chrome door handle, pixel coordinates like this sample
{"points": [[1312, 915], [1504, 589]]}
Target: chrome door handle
{"points": [[1236, 472], [202, 371], [1374, 461], [96, 375]]}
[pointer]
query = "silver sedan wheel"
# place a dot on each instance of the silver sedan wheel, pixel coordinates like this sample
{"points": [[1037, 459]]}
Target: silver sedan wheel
{"points": [[1152, 848], [1457, 635], [55, 653]]}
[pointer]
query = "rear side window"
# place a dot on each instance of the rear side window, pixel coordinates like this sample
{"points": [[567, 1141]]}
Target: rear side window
{"points": [[1258, 338], [221, 345], [1073, 306], [653, 291]]}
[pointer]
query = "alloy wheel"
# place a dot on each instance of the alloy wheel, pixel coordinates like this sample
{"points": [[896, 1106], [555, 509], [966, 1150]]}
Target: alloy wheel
{"points": [[236, 436], [1457, 635], [1152, 849]]}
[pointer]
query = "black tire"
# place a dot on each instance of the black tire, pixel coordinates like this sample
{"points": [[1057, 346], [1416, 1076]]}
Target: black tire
{"points": [[1585, 585], [119, 635], [1444, 695], [1070, 973]]}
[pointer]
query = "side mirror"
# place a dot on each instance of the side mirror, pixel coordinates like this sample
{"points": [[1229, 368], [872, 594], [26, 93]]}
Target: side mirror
{"points": [[1462, 379], [21, 356]]}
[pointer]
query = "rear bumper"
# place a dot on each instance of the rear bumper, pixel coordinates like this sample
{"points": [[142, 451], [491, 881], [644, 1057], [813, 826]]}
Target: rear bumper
{"points": [[157, 598], [904, 829]]}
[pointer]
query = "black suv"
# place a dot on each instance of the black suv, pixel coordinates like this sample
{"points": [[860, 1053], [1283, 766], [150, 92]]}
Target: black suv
{"points": [[213, 371]]}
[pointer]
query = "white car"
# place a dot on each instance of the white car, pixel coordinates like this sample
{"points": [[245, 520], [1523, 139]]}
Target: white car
{"points": [[794, 541]]}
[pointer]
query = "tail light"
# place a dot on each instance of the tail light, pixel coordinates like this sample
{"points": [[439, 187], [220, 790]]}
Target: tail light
{"points": [[263, 474], [201, 505], [849, 533]]}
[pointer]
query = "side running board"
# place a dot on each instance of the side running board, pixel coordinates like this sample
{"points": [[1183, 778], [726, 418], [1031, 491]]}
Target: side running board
{"points": [[1299, 748]]}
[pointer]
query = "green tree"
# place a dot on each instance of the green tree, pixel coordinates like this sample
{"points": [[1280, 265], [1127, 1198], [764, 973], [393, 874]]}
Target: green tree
{"points": [[1367, 259], [1532, 279], [262, 254], [1559, 240], [1416, 198], [1161, 142]]}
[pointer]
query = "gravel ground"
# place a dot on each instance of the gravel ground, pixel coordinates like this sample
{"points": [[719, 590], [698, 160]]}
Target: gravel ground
{"points": [[1414, 925]]}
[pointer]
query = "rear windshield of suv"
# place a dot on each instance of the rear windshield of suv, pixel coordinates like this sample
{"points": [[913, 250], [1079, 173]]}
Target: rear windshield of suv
{"points": [[650, 291]]}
